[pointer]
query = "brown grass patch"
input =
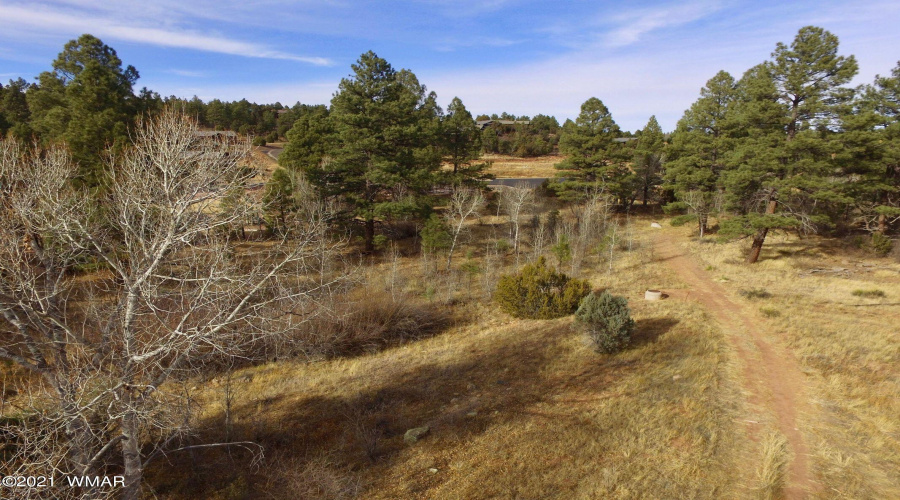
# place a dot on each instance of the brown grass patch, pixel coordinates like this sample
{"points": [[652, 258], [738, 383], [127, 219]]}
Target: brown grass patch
{"points": [[772, 471], [512, 166], [516, 408]]}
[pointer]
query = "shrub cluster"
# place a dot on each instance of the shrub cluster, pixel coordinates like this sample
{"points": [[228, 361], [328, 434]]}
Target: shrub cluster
{"points": [[435, 234], [756, 293], [365, 320], [608, 321], [539, 291], [881, 244], [869, 294]]}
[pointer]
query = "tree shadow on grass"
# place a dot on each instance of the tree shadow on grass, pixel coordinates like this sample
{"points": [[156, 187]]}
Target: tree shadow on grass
{"points": [[647, 331], [488, 384]]}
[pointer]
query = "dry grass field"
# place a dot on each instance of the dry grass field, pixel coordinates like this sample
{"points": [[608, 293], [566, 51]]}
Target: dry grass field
{"points": [[777, 380], [525, 409], [515, 167], [515, 408]]}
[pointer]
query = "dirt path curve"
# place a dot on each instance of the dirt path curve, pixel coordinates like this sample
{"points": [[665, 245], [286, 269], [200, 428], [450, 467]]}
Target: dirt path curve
{"points": [[771, 376]]}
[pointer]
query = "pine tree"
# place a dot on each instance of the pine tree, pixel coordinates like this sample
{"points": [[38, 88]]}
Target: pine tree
{"points": [[649, 158], [14, 112], [595, 160], [789, 107], [461, 146], [309, 141], [86, 101], [700, 147], [871, 154], [385, 160]]}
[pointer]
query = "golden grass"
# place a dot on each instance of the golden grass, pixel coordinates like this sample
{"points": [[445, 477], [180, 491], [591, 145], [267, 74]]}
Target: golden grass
{"points": [[512, 166], [772, 471], [516, 408], [845, 343]]}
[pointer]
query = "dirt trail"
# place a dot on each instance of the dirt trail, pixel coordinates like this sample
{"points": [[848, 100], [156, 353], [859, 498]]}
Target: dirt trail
{"points": [[771, 376]]}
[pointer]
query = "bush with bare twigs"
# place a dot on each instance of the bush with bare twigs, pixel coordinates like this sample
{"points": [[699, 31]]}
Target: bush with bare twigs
{"points": [[366, 321]]}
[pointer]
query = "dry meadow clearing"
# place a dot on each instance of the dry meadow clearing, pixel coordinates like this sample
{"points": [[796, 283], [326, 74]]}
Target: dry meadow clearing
{"points": [[777, 380], [515, 408], [503, 166], [525, 409]]}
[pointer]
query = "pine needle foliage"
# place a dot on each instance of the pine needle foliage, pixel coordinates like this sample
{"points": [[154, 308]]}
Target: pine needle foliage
{"points": [[607, 320], [539, 291]]}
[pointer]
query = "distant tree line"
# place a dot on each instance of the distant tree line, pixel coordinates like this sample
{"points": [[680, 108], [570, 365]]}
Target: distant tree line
{"points": [[268, 121], [537, 138]]}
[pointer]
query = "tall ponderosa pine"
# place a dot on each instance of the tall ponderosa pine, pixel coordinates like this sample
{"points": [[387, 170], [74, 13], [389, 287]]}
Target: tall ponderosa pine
{"points": [[700, 148], [595, 160], [384, 161], [788, 108], [86, 101], [871, 136], [649, 159], [461, 146]]}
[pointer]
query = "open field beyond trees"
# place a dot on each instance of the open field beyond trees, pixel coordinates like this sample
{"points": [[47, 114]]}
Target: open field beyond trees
{"points": [[504, 166]]}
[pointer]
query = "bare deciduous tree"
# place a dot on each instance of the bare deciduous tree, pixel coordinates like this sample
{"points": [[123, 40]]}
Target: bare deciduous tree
{"points": [[516, 201], [703, 205], [171, 294], [464, 204], [592, 217]]}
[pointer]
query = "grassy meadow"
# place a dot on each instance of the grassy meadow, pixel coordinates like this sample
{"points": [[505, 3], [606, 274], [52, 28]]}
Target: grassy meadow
{"points": [[515, 408]]}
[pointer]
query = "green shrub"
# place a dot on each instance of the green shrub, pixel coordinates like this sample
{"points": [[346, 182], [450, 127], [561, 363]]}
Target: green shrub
{"points": [[858, 242], [869, 294], [881, 244], [681, 220], [608, 321], [756, 293], [435, 235], [675, 208], [471, 268], [562, 250], [272, 137], [259, 141], [539, 291], [770, 312], [380, 242]]}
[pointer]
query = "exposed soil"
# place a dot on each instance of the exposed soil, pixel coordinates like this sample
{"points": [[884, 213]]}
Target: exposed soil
{"points": [[771, 376]]}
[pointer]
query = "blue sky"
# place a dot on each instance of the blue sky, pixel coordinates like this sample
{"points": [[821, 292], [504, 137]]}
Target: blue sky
{"points": [[523, 57]]}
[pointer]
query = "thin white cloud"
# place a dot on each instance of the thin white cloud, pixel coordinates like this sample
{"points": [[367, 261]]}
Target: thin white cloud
{"points": [[45, 19], [633, 25], [186, 73], [449, 44]]}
